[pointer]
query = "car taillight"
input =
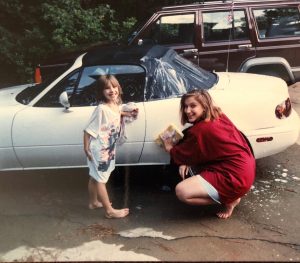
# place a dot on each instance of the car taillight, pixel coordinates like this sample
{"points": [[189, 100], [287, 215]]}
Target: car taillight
{"points": [[37, 75], [284, 109]]}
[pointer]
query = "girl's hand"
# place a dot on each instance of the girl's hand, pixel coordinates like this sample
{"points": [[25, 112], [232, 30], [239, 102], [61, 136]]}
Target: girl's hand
{"points": [[135, 112], [86, 145], [167, 144], [183, 171], [132, 113], [88, 154]]}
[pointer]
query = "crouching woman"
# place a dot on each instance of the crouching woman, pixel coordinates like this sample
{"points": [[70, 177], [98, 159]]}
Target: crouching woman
{"points": [[214, 152]]}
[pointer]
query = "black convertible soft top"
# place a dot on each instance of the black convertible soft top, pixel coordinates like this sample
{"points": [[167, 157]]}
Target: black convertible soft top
{"points": [[123, 54], [167, 72]]}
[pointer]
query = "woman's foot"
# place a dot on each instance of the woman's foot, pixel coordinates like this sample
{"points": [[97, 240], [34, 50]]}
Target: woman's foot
{"points": [[117, 213], [95, 205], [228, 209]]}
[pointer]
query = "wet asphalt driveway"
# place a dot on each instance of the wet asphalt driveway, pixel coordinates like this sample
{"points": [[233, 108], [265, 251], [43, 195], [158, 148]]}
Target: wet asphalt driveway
{"points": [[44, 217]]}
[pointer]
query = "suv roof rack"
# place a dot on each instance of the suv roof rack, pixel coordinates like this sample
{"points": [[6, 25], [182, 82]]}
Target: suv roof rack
{"points": [[219, 2]]}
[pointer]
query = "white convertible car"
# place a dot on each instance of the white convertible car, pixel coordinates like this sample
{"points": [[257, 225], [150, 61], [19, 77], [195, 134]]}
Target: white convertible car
{"points": [[42, 125]]}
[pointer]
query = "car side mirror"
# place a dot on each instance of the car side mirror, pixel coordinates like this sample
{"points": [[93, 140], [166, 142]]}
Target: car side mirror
{"points": [[64, 100]]}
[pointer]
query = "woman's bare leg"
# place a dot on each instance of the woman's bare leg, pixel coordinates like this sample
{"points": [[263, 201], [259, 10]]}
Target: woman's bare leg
{"points": [[110, 212], [228, 209], [191, 191], [93, 196]]}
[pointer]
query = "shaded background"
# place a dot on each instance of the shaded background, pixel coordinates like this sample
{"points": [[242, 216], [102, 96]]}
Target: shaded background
{"points": [[32, 31]]}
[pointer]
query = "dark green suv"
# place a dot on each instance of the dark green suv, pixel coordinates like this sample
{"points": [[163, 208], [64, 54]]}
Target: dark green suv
{"points": [[248, 36]]}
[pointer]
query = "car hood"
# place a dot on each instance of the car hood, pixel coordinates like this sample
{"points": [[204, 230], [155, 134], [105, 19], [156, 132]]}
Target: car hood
{"points": [[8, 95]]}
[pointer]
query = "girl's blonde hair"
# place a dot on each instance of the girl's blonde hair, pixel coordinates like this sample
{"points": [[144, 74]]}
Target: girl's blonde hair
{"points": [[210, 111], [103, 83]]}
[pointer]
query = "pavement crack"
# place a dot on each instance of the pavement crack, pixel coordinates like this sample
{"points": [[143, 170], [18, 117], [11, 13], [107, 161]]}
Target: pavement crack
{"points": [[295, 246], [270, 227]]}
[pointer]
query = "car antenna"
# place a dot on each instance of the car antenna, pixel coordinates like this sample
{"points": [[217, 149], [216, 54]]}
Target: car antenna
{"points": [[230, 19]]}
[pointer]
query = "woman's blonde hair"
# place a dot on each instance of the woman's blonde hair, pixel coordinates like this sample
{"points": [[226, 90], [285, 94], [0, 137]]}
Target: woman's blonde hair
{"points": [[210, 111], [103, 82]]}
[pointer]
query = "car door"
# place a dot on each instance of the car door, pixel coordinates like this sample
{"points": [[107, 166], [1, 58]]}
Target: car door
{"points": [[48, 136], [225, 39], [159, 115]]}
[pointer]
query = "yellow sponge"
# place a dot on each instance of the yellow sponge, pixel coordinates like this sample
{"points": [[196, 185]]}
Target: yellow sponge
{"points": [[170, 132]]}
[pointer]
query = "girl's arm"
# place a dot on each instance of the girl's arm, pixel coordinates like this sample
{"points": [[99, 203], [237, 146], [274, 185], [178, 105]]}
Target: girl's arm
{"points": [[86, 145]]}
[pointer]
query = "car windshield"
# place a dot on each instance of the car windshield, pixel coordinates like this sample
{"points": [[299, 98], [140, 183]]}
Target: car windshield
{"points": [[172, 76], [28, 94]]}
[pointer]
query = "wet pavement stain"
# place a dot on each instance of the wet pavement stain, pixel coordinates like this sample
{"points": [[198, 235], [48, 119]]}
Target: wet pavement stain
{"points": [[96, 231]]}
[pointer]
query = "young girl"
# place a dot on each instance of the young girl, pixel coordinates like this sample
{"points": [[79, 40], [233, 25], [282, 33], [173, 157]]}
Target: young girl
{"points": [[100, 137], [215, 151]]}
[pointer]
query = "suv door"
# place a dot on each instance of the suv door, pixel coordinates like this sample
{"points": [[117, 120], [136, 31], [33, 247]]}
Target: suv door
{"points": [[225, 39], [174, 30], [278, 34]]}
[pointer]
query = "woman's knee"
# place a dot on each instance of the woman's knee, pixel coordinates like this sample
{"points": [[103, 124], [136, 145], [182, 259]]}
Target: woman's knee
{"points": [[181, 192]]}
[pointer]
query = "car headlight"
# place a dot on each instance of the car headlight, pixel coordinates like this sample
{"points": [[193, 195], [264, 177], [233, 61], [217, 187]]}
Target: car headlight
{"points": [[284, 109]]}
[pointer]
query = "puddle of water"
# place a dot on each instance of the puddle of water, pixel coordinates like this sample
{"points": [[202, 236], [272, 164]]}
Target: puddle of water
{"points": [[144, 232]]}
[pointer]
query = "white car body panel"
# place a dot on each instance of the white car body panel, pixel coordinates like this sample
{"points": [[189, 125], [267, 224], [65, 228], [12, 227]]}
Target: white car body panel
{"points": [[8, 109], [53, 137], [7, 95], [159, 115]]}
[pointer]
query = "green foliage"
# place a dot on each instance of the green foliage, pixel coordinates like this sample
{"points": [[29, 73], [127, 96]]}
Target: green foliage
{"points": [[32, 30]]}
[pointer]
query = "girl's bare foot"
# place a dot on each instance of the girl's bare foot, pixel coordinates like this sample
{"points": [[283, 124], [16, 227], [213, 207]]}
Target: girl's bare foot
{"points": [[117, 213], [228, 209], [95, 205]]}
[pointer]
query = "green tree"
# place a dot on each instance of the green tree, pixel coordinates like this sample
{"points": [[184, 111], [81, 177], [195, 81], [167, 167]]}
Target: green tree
{"points": [[34, 29]]}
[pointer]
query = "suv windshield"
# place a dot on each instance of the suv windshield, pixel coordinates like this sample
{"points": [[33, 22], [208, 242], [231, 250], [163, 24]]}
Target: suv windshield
{"points": [[136, 28]]}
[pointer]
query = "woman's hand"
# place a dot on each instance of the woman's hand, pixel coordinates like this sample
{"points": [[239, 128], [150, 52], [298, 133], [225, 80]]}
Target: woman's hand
{"points": [[183, 171], [167, 144]]}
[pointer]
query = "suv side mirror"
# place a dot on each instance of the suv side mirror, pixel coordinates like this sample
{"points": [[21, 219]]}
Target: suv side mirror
{"points": [[140, 42], [64, 100]]}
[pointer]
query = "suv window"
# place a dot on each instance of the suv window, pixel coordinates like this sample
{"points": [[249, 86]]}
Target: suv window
{"points": [[221, 26], [173, 29], [277, 22]]}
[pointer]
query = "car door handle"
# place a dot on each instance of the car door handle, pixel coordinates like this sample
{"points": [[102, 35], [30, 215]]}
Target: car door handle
{"points": [[246, 46]]}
